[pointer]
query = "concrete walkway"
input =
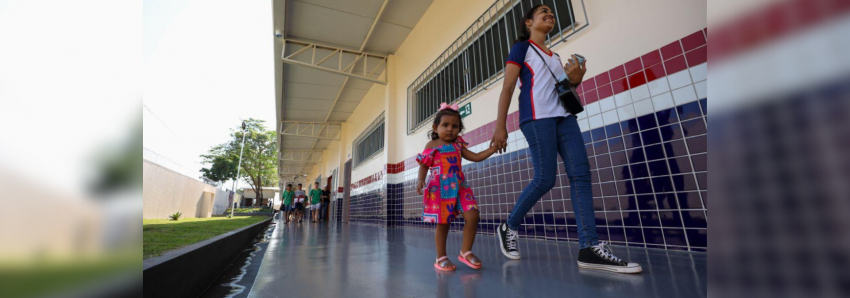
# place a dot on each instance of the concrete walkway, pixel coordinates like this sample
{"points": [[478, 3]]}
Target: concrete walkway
{"points": [[355, 260]]}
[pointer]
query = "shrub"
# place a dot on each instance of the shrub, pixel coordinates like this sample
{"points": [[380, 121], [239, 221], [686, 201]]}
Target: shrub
{"points": [[175, 216]]}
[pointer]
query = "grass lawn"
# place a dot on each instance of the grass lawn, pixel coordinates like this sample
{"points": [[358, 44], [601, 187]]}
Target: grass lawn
{"points": [[249, 210], [161, 235], [53, 277]]}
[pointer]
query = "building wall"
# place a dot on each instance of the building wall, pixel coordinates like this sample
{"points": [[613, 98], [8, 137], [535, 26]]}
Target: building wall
{"points": [[368, 195], [267, 195], [167, 192], [640, 25], [330, 160], [644, 129], [221, 199]]}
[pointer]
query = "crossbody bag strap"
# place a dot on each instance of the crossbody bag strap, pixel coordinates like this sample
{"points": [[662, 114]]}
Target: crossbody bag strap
{"points": [[544, 63]]}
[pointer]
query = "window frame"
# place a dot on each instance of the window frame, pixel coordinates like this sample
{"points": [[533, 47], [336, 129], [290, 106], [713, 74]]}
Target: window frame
{"points": [[365, 142], [474, 53]]}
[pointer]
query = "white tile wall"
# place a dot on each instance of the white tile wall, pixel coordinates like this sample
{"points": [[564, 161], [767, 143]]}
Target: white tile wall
{"points": [[684, 95], [658, 86], [644, 107], [702, 89], [607, 104], [596, 121], [592, 109], [603, 112], [640, 92], [663, 101], [522, 144], [583, 124], [699, 72], [626, 112], [610, 117], [679, 79], [622, 99]]}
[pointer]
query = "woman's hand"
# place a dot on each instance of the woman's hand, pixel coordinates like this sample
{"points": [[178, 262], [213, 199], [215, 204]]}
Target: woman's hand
{"points": [[575, 72], [500, 139], [420, 186]]}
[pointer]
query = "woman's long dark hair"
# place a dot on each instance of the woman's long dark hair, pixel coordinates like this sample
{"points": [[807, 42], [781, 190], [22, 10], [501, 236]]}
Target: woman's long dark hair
{"points": [[524, 34], [432, 134]]}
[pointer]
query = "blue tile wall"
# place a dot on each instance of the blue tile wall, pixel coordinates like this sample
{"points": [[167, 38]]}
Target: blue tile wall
{"points": [[369, 204], [338, 209], [649, 181]]}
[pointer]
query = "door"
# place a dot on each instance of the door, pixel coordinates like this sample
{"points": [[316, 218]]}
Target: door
{"points": [[329, 187], [333, 208], [346, 191]]}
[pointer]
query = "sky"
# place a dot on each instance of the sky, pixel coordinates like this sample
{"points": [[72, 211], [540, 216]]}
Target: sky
{"points": [[61, 105], [207, 65]]}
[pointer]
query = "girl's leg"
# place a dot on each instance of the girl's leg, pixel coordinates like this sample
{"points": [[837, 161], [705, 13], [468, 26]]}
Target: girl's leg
{"points": [[469, 229], [572, 151], [440, 242], [440, 239], [542, 145]]}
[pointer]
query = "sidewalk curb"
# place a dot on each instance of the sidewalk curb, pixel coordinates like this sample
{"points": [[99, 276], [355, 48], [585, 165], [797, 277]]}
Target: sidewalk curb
{"points": [[188, 271]]}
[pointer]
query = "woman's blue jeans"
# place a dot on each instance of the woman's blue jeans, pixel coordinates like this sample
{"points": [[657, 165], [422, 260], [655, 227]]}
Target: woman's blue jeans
{"points": [[546, 139]]}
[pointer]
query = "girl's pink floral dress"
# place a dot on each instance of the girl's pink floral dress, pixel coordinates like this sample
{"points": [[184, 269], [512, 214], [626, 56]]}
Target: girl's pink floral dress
{"points": [[447, 194]]}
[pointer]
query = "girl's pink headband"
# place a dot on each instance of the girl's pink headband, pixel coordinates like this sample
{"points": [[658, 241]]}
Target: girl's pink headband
{"points": [[444, 106]]}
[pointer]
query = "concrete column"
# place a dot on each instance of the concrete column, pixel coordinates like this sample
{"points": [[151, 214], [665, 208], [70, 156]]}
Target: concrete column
{"points": [[392, 123], [344, 155], [393, 120]]}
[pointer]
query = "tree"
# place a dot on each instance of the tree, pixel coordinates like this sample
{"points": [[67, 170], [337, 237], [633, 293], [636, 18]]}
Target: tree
{"points": [[223, 168], [259, 162], [119, 167]]}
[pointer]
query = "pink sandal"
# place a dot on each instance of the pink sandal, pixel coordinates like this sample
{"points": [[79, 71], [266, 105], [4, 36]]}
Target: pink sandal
{"points": [[441, 264], [475, 264]]}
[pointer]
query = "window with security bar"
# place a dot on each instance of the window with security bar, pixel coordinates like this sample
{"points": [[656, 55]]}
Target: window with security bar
{"points": [[370, 142], [477, 58]]}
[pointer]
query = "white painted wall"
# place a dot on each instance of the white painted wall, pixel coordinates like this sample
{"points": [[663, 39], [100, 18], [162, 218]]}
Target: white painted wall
{"points": [[369, 109], [166, 192]]}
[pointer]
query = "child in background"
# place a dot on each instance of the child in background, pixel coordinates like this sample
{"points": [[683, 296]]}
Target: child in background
{"points": [[286, 204], [300, 196], [447, 194], [315, 202]]}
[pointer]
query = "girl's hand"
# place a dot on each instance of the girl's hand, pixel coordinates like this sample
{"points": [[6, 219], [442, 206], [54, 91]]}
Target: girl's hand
{"points": [[419, 187], [575, 72], [500, 139]]}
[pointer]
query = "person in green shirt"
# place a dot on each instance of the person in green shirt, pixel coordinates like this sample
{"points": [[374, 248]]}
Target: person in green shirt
{"points": [[316, 201], [286, 206]]}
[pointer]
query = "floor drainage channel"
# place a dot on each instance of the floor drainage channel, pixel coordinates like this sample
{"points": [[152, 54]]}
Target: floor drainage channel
{"points": [[235, 280]]}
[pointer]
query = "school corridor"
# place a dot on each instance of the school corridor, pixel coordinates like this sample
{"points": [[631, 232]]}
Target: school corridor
{"points": [[358, 84], [362, 260]]}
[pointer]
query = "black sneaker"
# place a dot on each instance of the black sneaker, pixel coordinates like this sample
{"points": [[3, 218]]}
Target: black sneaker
{"points": [[508, 241], [599, 257]]}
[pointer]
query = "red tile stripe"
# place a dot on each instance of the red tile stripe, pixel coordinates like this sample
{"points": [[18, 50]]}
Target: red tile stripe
{"points": [[645, 68], [368, 180], [774, 21], [648, 67]]}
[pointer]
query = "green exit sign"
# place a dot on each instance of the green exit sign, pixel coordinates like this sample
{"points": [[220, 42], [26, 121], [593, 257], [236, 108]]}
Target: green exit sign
{"points": [[465, 110]]}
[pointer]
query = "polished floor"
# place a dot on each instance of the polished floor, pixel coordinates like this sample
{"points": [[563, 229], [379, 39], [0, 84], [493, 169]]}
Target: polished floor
{"points": [[355, 260]]}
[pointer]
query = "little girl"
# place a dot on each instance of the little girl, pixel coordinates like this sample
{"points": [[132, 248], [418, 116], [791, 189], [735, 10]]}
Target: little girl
{"points": [[447, 193]]}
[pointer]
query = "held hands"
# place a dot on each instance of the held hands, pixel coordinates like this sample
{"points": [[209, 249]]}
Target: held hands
{"points": [[500, 140], [575, 71], [419, 187]]}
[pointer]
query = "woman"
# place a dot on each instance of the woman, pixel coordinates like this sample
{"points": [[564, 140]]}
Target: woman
{"points": [[550, 130]]}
